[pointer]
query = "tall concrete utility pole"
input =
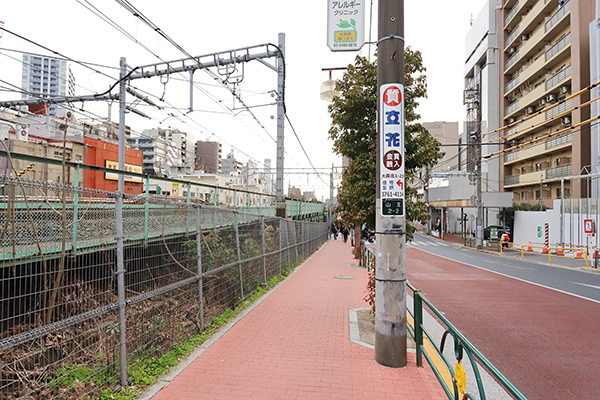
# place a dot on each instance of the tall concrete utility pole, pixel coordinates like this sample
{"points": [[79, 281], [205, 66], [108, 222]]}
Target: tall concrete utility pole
{"points": [[280, 125], [390, 271]]}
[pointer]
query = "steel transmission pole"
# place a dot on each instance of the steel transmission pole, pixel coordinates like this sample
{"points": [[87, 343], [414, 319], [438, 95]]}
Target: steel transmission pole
{"points": [[281, 212], [119, 225], [390, 272]]}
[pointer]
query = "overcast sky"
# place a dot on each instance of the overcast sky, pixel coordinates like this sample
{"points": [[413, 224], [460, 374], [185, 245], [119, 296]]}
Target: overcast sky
{"points": [[100, 32]]}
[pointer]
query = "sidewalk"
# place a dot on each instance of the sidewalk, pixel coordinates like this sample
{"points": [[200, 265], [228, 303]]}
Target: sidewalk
{"points": [[295, 345]]}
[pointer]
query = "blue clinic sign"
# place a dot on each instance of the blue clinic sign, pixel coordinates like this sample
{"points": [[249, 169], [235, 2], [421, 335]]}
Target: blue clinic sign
{"points": [[392, 150]]}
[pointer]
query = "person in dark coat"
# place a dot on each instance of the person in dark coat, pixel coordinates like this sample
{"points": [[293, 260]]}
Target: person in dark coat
{"points": [[334, 231], [345, 233]]}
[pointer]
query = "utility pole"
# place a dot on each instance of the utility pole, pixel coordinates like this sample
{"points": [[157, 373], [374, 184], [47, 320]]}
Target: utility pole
{"points": [[390, 271], [329, 221], [119, 224], [281, 212]]}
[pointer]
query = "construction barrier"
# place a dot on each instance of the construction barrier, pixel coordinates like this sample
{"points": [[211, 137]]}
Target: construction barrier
{"points": [[581, 252]]}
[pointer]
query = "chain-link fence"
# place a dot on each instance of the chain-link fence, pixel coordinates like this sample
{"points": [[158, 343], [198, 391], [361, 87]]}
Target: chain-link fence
{"points": [[88, 276]]}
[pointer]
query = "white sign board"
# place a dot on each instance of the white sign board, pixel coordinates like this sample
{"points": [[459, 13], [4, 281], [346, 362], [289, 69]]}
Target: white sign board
{"points": [[391, 144], [346, 25]]}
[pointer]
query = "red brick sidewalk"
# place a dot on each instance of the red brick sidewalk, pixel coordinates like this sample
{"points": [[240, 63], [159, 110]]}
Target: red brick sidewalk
{"points": [[295, 345]]}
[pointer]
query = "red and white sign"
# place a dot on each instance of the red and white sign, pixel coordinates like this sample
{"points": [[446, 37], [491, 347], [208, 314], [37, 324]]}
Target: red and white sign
{"points": [[588, 226], [392, 142]]}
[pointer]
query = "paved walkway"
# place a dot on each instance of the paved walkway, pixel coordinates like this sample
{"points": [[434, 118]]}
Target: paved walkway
{"points": [[295, 345]]}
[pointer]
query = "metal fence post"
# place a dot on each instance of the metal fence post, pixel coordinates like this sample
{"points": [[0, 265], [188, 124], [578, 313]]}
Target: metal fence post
{"points": [[287, 243], [146, 211], [239, 254], [199, 261], [418, 313], [295, 240], [262, 228], [280, 246], [75, 211]]}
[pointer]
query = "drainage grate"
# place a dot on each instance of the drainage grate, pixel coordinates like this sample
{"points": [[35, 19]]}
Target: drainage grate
{"points": [[343, 277]]}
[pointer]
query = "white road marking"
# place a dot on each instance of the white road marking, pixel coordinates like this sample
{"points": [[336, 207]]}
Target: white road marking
{"points": [[583, 284]]}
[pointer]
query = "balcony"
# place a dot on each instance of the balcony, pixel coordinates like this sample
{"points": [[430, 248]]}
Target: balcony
{"points": [[512, 84], [511, 61], [558, 78], [512, 180], [514, 34], [511, 156], [558, 15], [561, 108], [511, 108], [561, 44], [511, 14], [564, 139], [559, 172]]}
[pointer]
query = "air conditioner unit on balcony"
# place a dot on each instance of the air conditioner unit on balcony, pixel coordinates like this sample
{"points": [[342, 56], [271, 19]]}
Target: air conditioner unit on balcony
{"points": [[512, 50], [542, 102], [530, 110], [512, 120], [550, 98], [566, 120], [563, 89], [524, 37]]}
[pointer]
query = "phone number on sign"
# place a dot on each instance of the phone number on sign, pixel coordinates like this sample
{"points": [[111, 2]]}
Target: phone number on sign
{"points": [[389, 195]]}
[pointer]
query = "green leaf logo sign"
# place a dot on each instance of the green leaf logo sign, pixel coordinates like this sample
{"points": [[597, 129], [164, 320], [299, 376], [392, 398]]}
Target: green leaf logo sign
{"points": [[349, 34], [344, 24]]}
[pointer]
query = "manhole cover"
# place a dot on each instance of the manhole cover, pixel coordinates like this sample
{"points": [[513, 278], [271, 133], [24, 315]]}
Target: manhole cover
{"points": [[343, 277]]}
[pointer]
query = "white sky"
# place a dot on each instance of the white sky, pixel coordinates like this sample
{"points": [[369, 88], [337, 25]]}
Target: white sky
{"points": [[437, 28]]}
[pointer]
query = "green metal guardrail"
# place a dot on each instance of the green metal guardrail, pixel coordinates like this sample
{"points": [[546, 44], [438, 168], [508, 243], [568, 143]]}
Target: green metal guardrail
{"points": [[461, 345]]}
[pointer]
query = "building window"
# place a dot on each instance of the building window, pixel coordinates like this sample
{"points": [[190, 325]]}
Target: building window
{"points": [[558, 193], [523, 195], [538, 166], [538, 194]]}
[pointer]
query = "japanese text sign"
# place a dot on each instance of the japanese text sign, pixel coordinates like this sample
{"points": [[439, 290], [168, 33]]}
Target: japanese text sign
{"points": [[391, 178], [345, 25]]}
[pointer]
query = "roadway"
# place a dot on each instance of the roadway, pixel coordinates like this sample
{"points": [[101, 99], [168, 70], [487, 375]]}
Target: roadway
{"points": [[539, 324]]}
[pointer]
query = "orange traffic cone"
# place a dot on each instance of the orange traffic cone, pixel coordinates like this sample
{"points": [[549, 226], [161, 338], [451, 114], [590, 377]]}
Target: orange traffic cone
{"points": [[560, 252], [545, 250], [578, 255], [529, 248]]}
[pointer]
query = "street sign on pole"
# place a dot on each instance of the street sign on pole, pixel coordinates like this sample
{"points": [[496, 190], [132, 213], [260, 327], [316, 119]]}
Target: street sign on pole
{"points": [[345, 25], [392, 150]]}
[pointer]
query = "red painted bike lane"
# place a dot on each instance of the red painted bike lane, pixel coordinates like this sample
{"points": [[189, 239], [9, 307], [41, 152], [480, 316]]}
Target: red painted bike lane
{"points": [[546, 342]]}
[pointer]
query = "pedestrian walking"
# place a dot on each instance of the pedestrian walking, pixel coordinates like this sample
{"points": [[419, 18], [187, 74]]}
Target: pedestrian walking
{"points": [[345, 233], [334, 231]]}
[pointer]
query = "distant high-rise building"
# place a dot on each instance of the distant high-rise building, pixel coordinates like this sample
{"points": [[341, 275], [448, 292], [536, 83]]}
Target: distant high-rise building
{"points": [[230, 166], [208, 157], [447, 134], [45, 77]]}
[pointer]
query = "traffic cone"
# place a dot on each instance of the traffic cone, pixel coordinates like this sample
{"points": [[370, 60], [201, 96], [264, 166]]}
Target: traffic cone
{"points": [[560, 252], [529, 248], [578, 255], [595, 253], [545, 250]]}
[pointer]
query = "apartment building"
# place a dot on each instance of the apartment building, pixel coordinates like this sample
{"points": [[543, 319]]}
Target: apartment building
{"points": [[545, 60], [46, 77], [208, 157]]}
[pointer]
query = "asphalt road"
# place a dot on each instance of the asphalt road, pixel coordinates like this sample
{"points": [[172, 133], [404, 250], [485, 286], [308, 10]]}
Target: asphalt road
{"points": [[539, 324]]}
